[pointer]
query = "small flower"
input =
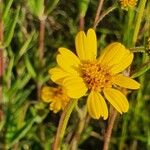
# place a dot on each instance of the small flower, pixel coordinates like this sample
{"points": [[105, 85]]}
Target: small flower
{"points": [[125, 4], [99, 78], [57, 97]]}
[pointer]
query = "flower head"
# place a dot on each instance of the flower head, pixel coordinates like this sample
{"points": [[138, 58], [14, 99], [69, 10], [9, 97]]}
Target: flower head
{"points": [[125, 4], [99, 78], [57, 97]]}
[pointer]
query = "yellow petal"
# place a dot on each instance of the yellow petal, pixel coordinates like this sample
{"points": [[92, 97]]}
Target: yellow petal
{"points": [[93, 105], [124, 63], [103, 107], [86, 46], [75, 86], [55, 106], [68, 61], [80, 42], [47, 94], [113, 54], [91, 45], [126, 82], [117, 99], [97, 106], [69, 55], [57, 74]]}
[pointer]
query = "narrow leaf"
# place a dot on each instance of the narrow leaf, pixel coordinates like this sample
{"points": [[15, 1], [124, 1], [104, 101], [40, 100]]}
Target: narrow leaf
{"points": [[29, 66], [7, 9], [51, 6], [10, 33], [141, 71], [24, 47]]}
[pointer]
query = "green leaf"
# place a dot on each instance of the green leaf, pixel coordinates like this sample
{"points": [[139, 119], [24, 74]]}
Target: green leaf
{"points": [[9, 69], [21, 133], [12, 24], [21, 97], [141, 71], [19, 83], [7, 9], [51, 6], [83, 6], [24, 47], [29, 66], [25, 129], [36, 7]]}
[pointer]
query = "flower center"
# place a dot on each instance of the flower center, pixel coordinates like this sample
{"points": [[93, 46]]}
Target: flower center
{"points": [[95, 75], [60, 96], [60, 93]]}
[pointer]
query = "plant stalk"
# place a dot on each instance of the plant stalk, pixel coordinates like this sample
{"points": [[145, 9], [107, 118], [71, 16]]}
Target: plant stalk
{"points": [[108, 133], [41, 40], [110, 9], [63, 124], [81, 23], [80, 127], [98, 12], [41, 52]]}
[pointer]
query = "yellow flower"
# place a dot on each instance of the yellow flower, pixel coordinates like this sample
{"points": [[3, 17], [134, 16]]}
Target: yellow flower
{"points": [[98, 77], [57, 97], [128, 3]]}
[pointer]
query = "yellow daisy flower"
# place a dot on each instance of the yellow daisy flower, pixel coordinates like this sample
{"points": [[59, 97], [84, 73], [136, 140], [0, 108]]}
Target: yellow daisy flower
{"points": [[99, 77], [57, 97], [128, 3]]}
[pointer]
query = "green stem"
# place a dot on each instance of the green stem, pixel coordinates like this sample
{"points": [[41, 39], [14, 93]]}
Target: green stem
{"points": [[128, 28], [138, 20], [63, 124]]}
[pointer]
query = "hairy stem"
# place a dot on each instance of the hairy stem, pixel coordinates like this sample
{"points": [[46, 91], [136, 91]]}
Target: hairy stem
{"points": [[63, 124], [110, 9], [98, 11], [81, 23], [41, 51], [41, 40], [108, 133]]}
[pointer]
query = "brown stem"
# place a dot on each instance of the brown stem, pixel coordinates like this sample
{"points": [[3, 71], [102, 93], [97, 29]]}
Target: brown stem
{"points": [[57, 139], [98, 10], [41, 40], [41, 51], [81, 23], [110, 9], [107, 135], [80, 128]]}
